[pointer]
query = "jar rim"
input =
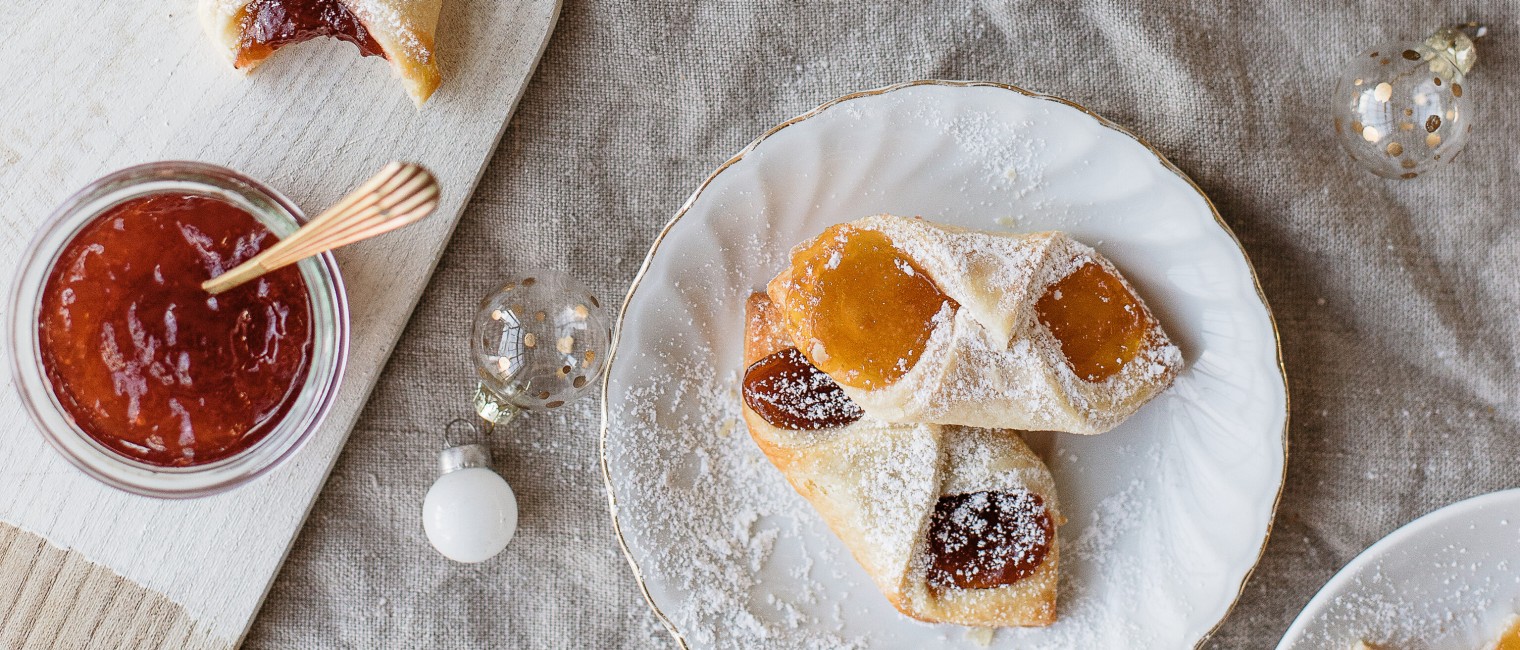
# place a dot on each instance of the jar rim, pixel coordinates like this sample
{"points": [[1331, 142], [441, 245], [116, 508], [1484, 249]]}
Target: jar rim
{"points": [[326, 296]]}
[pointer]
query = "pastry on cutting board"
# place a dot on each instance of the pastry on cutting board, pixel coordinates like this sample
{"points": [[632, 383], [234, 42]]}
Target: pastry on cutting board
{"points": [[920, 322], [954, 524], [402, 31]]}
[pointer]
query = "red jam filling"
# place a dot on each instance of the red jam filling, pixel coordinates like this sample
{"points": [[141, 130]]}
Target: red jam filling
{"points": [[269, 25], [149, 364], [789, 393], [985, 540]]}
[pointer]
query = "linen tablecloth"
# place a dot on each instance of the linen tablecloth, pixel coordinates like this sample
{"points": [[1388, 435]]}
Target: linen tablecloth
{"points": [[1397, 300]]}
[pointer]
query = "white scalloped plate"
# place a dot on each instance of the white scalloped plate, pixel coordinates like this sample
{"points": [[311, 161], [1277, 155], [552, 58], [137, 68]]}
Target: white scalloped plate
{"points": [[1168, 513], [1445, 580]]}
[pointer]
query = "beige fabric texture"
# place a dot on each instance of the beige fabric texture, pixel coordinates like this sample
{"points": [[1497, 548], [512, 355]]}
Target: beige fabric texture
{"points": [[1397, 300]]}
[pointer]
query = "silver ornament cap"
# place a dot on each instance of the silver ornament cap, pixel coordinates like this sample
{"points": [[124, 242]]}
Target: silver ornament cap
{"points": [[461, 457]]}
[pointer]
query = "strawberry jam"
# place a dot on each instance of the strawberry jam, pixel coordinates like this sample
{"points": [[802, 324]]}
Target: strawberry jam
{"points": [[145, 361], [268, 25], [789, 393], [986, 540]]}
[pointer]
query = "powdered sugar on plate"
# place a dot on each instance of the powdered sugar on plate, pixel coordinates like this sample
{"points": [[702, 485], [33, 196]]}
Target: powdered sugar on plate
{"points": [[744, 562], [1450, 579]]}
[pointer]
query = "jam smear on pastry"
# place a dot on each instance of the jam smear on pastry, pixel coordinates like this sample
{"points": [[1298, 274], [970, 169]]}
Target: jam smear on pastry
{"points": [[865, 310], [984, 540], [789, 393], [269, 25], [1098, 322]]}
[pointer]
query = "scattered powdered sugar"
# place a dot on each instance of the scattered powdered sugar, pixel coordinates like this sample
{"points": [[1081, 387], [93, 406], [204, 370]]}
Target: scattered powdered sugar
{"points": [[392, 18], [711, 514], [1005, 150], [1451, 584], [739, 560], [1000, 529], [1102, 587]]}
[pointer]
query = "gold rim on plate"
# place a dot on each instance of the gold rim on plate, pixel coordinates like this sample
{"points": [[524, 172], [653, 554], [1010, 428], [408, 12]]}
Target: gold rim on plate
{"points": [[617, 333]]}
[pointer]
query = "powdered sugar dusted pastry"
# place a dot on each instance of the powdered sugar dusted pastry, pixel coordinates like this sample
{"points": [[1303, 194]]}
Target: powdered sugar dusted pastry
{"points": [[402, 31], [955, 525], [920, 322]]}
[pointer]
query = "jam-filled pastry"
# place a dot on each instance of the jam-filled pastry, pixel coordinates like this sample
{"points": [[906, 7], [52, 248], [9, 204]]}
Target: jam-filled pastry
{"points": [[1509, 639], [920, 322], [954, 524], [402, 31]]}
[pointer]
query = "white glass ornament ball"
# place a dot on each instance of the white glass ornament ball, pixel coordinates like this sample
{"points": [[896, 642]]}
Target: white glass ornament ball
{"points": [[470, 513]]}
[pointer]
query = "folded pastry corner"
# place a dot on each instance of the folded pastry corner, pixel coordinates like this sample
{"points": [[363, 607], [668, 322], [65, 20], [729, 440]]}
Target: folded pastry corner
{"points": [[402, 31], [920, 322], [953, 524]]}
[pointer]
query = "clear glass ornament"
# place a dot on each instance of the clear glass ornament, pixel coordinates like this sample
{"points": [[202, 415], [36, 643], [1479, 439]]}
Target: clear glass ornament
{"points": [[1402, 109], [537, 343]]}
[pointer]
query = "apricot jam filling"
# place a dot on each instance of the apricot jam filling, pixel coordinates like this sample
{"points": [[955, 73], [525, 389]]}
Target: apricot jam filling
{"points": [[1511, 638], [1098, 322], [859, 309], [985, 540], [269, 25]]}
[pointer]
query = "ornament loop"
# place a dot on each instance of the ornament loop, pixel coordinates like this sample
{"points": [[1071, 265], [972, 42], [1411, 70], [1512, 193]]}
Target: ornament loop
{"points": [[453, 438]]}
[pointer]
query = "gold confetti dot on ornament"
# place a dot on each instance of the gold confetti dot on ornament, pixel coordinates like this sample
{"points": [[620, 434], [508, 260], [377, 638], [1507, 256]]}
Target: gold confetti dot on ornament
{"points": [[1395, 149], [1383, 92], [1411, 55], [1371, 134], [1432, 123], [1433, 140], [1456, 89]]}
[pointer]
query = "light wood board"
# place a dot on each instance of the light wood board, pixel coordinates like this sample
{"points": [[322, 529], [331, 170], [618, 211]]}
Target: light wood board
{"points": [[92, 87]]}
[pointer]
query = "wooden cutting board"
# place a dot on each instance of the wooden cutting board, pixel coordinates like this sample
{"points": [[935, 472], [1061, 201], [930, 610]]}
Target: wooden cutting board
{"points": [[91, 87]]}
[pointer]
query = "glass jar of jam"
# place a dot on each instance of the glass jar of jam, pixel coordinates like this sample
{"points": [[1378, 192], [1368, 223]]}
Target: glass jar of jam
{"points": [[137, 376]]}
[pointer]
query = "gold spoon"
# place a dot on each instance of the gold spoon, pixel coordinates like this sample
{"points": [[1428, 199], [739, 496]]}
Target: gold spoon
{"points": [[399, 195]]}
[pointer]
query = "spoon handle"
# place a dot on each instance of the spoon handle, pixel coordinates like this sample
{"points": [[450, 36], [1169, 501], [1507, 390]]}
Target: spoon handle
{"points": [[399, 195]]}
